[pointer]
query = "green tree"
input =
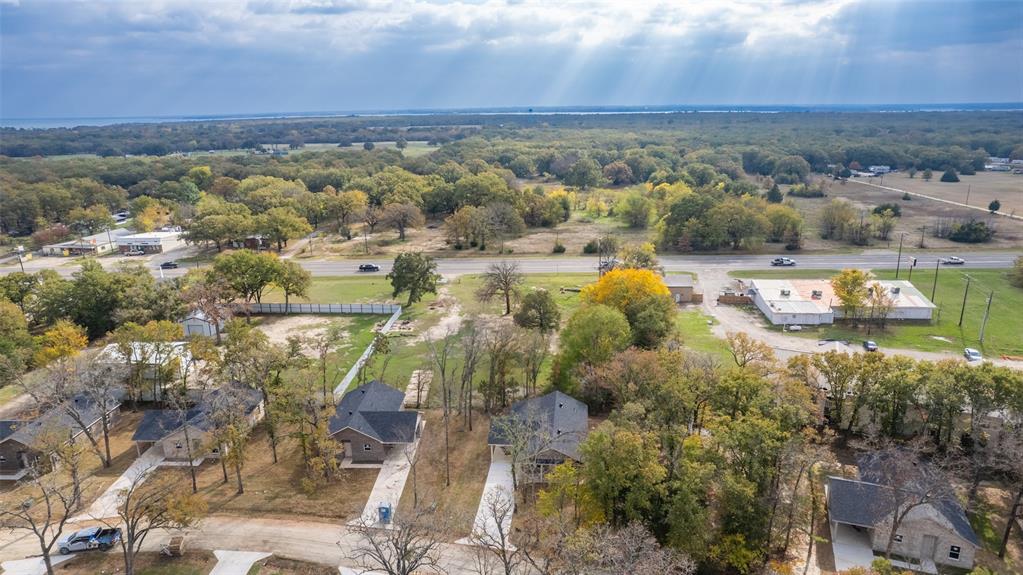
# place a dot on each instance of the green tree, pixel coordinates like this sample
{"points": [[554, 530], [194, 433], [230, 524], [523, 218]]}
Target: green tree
{"points": [[247, 273], [636, 210], [774, 195], [928, 174], [415, 273], [17, 287], [619, 173], [592, 336], [293, 281], [949, 176], [538, 311], [994, 206], [16, 344], [1016, 275], [622, 470], [584, 173], [282, 224]]}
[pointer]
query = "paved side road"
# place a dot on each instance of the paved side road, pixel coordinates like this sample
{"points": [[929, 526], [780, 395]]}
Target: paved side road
{"points": [[317, 542]]}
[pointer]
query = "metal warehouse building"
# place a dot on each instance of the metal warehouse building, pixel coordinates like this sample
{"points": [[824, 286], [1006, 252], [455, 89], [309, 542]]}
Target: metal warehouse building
{"points": [[813, 302]]}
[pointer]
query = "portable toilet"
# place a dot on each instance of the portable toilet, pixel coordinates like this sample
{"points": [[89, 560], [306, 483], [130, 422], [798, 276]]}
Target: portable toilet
{"points": [[384, 512]]}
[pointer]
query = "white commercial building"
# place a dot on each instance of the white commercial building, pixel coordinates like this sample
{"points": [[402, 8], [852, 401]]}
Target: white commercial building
{"points": [[94, 245], [149, 242], [813, 302]]}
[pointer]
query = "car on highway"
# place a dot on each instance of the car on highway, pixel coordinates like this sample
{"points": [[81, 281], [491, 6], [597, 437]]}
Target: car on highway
{"points": [[869, 345], [169, 265], [972, 354], [953, 261], [783, 262], [88, 539], [369, 268]]}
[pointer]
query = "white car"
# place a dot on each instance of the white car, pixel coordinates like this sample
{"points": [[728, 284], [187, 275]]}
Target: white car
{"points": [[972, 354], [953, 261]]}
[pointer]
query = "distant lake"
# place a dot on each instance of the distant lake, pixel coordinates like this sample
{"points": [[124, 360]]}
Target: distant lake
{"points": [[43, 123]]}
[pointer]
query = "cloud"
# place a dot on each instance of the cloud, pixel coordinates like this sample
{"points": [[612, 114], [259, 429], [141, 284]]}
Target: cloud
{"points": [[217, 56]]}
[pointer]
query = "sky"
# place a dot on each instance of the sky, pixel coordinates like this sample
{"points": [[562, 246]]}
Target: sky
{"points": [[96, 58]]}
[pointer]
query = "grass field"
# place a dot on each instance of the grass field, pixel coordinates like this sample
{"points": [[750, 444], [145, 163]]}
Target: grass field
{"points": [[353, 289], [1003, 333], [983, 187], [191, 563]]}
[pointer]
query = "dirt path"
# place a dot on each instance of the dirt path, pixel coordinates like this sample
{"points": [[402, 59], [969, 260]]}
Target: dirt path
{"points": [[449, 322]]}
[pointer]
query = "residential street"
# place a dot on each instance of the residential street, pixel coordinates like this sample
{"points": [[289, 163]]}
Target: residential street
{"points": [[318, 542]]}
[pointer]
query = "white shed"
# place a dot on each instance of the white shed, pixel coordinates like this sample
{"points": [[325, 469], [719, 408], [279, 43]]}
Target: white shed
{"points": [[196, 323]]}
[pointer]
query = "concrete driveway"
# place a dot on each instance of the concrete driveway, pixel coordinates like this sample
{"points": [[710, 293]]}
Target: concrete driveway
{"points": [[390, 482], [851, 547], [34, 566], [498, 491], [236, 562], [106, 504]]}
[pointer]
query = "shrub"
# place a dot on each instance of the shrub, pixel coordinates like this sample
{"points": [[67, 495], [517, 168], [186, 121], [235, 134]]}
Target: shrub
{"points": [[949, 176], [559, 248], [591, 247], [972, 232], [994, 206], [906, 197], [895, 209], [808, 190]]}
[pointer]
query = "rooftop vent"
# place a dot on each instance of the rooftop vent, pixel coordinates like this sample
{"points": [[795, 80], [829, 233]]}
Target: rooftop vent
{"points": [[896, 290], [816, 294], [785, 292], [560, 405]]}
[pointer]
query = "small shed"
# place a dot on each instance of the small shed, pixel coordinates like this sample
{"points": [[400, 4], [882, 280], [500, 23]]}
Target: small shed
{"points": [[681, 287], [196, 323]]}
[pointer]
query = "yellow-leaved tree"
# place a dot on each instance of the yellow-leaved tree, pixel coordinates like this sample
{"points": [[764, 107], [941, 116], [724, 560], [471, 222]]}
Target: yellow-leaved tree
{"points": [[850, 287], [622, 287], [65, 339]]}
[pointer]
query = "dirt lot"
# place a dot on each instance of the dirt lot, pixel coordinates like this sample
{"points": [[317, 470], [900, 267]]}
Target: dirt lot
{"points": [[916, 213], [983, 187], [282, 489], [470, 461], [111, 562]]}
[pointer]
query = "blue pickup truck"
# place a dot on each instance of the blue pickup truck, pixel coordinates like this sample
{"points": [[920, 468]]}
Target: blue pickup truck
{"points": [[88, 539]]}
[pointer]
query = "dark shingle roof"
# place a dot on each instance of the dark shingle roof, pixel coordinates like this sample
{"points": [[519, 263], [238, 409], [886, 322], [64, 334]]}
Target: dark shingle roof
{"points": [[868, 501], [159, 423], [562, 421], [57, 417], [8, 427], [374, 410]]}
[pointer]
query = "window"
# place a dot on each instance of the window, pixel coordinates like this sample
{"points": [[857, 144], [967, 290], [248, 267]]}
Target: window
{"points": [[3, 459], [953, 552], [177, 444], [367, 447], [898, 538]]}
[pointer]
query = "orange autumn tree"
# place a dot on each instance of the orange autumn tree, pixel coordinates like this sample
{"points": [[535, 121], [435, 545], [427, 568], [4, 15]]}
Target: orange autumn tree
{"points": [[644, 299]]}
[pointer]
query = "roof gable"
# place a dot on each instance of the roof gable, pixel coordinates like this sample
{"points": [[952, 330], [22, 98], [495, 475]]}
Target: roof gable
{"points": [[561, 421], [374, 410]]}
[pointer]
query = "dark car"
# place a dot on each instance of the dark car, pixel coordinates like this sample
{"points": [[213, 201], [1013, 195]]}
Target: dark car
{"points": [[369, 268], [169, 265], [869, 345], [783, 262]]}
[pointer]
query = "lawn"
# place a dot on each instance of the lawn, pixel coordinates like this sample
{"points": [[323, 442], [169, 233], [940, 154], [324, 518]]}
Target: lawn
{"points": [[349, 289], [1003, 334], [696, 335], [280, 566], [192, 563]]}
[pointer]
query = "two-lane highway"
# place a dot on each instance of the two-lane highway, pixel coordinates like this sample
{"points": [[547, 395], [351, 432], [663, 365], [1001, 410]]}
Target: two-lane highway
{"points": [[871, 259]]}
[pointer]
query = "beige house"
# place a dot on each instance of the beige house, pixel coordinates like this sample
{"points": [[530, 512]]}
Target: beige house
{"points": [[861, 513], [166, 430]]}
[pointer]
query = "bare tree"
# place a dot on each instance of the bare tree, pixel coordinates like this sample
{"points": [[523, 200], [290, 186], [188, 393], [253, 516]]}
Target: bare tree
{"points": [[501, 278], [442, 356], [409, 545], [411, 454], [492, 535], [142, 509], [502, 345], [83, 390], [324, 344], [911, 483], [536, 348], [57, 500], [401, 217], [523, 436], [210, 295], [631, 549], [472, 352]]}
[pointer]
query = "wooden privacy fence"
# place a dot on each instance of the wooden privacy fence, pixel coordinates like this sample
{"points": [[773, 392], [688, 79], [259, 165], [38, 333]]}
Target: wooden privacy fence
{"points": [[324, 308]]}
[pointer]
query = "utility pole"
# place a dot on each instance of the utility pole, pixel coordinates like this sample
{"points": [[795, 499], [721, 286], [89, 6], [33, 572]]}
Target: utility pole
{"points": [[923, 229], [987, 311], [966, 291], [934, 287], [898, 263], [968, 186], [911, 266]]}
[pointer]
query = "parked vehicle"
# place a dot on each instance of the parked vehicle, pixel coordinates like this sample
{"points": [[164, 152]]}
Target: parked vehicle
{"points": [[972, 354], [89, 539], [953, 261], [783, 262], [369, 268], [169, 265], [869, 345], [135, 253]]}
